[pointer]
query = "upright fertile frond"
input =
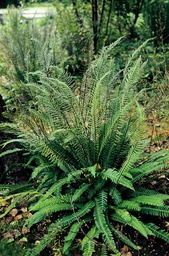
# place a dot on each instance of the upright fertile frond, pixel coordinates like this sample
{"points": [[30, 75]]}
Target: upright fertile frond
{"points": [[138, 144], [135, 55]]}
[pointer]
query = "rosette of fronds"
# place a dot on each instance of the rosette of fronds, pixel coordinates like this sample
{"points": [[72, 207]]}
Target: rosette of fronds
{"points": [[89, 145]]}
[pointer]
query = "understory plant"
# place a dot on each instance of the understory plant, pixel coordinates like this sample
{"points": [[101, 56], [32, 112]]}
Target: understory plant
{"points": [[89, 143], [28, 47]]}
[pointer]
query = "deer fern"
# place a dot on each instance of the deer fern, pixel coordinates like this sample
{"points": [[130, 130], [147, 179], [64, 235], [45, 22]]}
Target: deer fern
{"points": [[89, 151]]}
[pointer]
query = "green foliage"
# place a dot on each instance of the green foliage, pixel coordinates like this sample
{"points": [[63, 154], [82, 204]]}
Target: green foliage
{"points": [[29, 47], [89, 149], [11, 249], [156, 14], [74, 28]]}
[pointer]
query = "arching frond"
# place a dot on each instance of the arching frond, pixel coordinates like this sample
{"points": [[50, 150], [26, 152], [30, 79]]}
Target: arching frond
{"points": [[160, 233], [88, 242], [67, 220], [124, 238], [162, 211], [130, 205], [117, 178], [99, 183], [102, 225], [45, 211], [156, 200], [116, 195], [103, 200], [71, 235], [80, 191], [45, 202], [125, 217]]}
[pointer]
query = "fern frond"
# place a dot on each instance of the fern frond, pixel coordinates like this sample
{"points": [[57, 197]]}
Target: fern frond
{"points": [[13, 203], [162, 211], [103, 200], [117, 178], [67, 220], [45, 202], [138, 144], [80, 191], [160, 233], [15, 189], [103, 251], [10, 151], [102, 225], [130, 205], [72, 176], [145, 169], [134, 54], [39, 169], [126, 218], [97, 186], [45, 211], [116, 195], [155, 200], [71, 235], [158, 156], [133, 74], [144, 191], [88, 243], [124, 238], [47, 239]]}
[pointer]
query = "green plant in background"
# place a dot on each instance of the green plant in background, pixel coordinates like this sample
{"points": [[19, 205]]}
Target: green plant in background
{"points": [[156, 16], [88, 144], [29, 47], [73, 26]]}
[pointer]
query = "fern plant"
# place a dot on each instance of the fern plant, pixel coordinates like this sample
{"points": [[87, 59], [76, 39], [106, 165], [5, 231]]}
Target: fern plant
{"points": [[89, 144], [29, 47]]}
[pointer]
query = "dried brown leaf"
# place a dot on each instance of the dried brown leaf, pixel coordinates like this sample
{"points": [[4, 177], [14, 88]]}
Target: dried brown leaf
{"points": [[8, 219], [18, 217], [128, 254], [4, 203], [13, 212], [27, 214], [8, 235], [24, 209], [25, 230], [124, 249]]}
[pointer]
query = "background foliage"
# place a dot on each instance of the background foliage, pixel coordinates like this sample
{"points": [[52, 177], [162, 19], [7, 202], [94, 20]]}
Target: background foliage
{"points": [[82, 137]]}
